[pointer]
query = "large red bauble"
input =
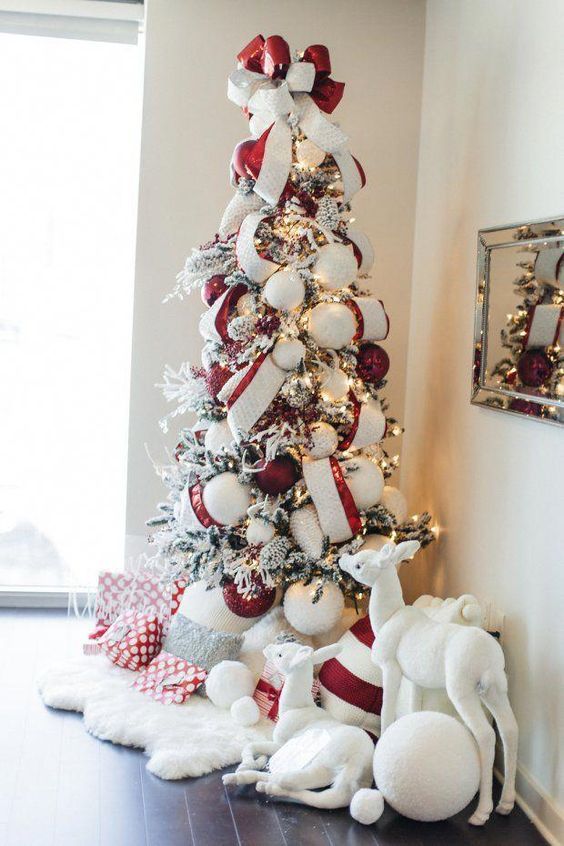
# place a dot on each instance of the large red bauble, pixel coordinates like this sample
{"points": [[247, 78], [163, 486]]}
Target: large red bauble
{"points": [[254, 605], [212, 289], [534, 368], [525, 407], [278, 476], [372, 363], [240, 155], [216, 377]]}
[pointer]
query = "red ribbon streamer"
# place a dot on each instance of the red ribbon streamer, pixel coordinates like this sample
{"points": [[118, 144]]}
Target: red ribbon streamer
{"points": [[196, 500], [346, 497], [272, 695], [350, 436], [359, 319], [246, 380], [231, 298]]}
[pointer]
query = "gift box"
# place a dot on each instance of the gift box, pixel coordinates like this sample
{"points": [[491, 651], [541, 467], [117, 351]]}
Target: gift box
{"points": [[169, 680], [268, 690], [133, 640]]}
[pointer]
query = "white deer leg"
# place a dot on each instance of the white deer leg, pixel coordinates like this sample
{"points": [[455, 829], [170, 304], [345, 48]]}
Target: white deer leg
{"points": [[415, 698], [391, 680], [469, 707], [245, 777], [309, 778], [255, 755], [337, 796], [498, 703]]}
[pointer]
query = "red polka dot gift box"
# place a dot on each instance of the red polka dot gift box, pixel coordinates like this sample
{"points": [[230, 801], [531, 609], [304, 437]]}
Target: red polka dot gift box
{"points": [[169, 680], [133, 640]]}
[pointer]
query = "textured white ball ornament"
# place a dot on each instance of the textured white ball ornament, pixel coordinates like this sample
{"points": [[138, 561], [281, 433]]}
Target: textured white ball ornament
{"points": [[311, 618], [245, 711], [335, 384], [246, 305], [335, 266], [366, 483], [218, 435], [332, 325], [426, 766], [226, 500], [288, 353], [306, 531], [284, 290], [227, 682], [324, 440], [309, 154], [259, 531], [393, 499], [367, 806]]}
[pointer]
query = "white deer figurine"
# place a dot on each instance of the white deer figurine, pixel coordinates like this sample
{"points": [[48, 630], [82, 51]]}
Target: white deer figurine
{"points": [[466, 661], [309, 749]]}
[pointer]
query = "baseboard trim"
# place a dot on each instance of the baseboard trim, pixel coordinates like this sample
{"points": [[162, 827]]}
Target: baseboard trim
{"points": [[539, 807]]}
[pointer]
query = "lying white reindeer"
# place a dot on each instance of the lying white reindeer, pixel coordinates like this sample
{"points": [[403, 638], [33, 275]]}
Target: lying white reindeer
{"points": [[339, 756], [466, 661]]}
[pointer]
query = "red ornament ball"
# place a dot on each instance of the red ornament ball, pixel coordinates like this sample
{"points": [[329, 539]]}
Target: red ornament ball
{"points": [[278, 476], [526, 407], [216, 377], [372, 363], [255, 604], [240, 156], [212, 289], [534, 368]]}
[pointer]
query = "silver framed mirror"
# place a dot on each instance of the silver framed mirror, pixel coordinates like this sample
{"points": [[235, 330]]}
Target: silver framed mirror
{"points": [[518, 356]]}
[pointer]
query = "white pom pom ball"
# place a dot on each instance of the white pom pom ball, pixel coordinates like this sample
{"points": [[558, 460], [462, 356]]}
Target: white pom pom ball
{"points": [[245, 711], [366, 482], [227, 682], [335, 266], [288, 353], [335, 385], [426, 766], [284, 290], [324, 440], [332, 325], [309, 154], [367, 806], [306, 531], [259, 531], [218, 436], [311, 618], [226, 500], [393, 499]]}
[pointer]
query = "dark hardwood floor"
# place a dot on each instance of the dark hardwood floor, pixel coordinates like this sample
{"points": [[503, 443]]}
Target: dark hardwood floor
{"points": [[59, 785]]}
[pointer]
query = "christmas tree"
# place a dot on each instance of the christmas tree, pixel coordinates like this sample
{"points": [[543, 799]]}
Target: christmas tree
{"points": [[287, 466]]}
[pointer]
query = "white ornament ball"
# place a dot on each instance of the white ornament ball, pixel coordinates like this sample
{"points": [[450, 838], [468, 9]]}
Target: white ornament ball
{"points": [[426, 766], [366, 483], [367, 806], [335, 266], [284, 290], [245, 711], [288, 353], [335, 384], [332, 325], [218, 436], [309, 154], [227, 682], [306, 531], [324, 440], [311, 618], [246, 305], [259, 531], [393, 499], [226, 499]]}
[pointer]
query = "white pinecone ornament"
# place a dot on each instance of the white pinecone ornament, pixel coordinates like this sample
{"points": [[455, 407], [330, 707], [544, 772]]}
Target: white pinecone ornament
{"points": [[328, 213]]}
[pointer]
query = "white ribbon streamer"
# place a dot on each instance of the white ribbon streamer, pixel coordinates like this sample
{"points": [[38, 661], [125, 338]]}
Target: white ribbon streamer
{"points": [[254, 266]]}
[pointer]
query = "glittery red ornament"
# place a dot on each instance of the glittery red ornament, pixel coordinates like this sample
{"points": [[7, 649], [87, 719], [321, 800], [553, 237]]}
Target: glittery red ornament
{"points": [[278, 476], [534, 368], [372, 363], [240, 155], [255, 604], [212, 289], [216, 377]]}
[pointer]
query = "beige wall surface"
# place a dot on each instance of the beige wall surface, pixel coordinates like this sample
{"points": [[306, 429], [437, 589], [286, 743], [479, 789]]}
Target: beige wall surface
{"points": [[491, 152], [189, 131]]}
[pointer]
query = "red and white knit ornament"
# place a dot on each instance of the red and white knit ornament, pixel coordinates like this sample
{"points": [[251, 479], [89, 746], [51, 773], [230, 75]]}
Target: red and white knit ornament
{"points": [[207, 608], [545, 326], [213, 323], [254, 266], [249, 393]]}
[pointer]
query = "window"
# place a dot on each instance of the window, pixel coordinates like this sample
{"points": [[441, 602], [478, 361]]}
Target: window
{"points": [[69, 161]]}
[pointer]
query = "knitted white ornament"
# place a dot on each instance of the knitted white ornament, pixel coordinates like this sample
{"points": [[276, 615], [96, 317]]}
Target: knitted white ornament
{"points": [[226, 499], [393, 499], [324, 440], [228, 681], [259, 531], [284, 290], [335, 266], [218, 436], [366, 482], [309, 154], [246, 305], [288, 353], [313, 618], [332, 325], [306, 531], [207, 608]]}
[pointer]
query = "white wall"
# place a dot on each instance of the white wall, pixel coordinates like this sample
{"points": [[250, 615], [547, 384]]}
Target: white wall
{"points": [[491, 152], [189, 131]]}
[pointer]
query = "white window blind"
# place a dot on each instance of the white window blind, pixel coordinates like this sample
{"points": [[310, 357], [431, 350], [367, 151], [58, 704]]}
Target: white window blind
{"points": [[91, 20]]}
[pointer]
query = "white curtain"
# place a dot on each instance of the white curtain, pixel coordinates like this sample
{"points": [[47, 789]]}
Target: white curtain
{"points": [[93, 20]]}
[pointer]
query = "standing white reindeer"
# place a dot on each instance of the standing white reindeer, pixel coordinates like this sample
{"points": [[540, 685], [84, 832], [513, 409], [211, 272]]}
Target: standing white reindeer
{"points": [[466, 661], [309, 748]]}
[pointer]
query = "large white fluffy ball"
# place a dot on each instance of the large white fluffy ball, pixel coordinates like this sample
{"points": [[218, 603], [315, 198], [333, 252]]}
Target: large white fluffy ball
{"points": [[366, 482], [324, 440], [306, 531], [218, 436], [426, 766], [309, 154], [226, 499], [311, 618], [332, 325], [284, 290], [335, 266], [245, 711], [393, 499], [288, 353], [229, 681]]}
